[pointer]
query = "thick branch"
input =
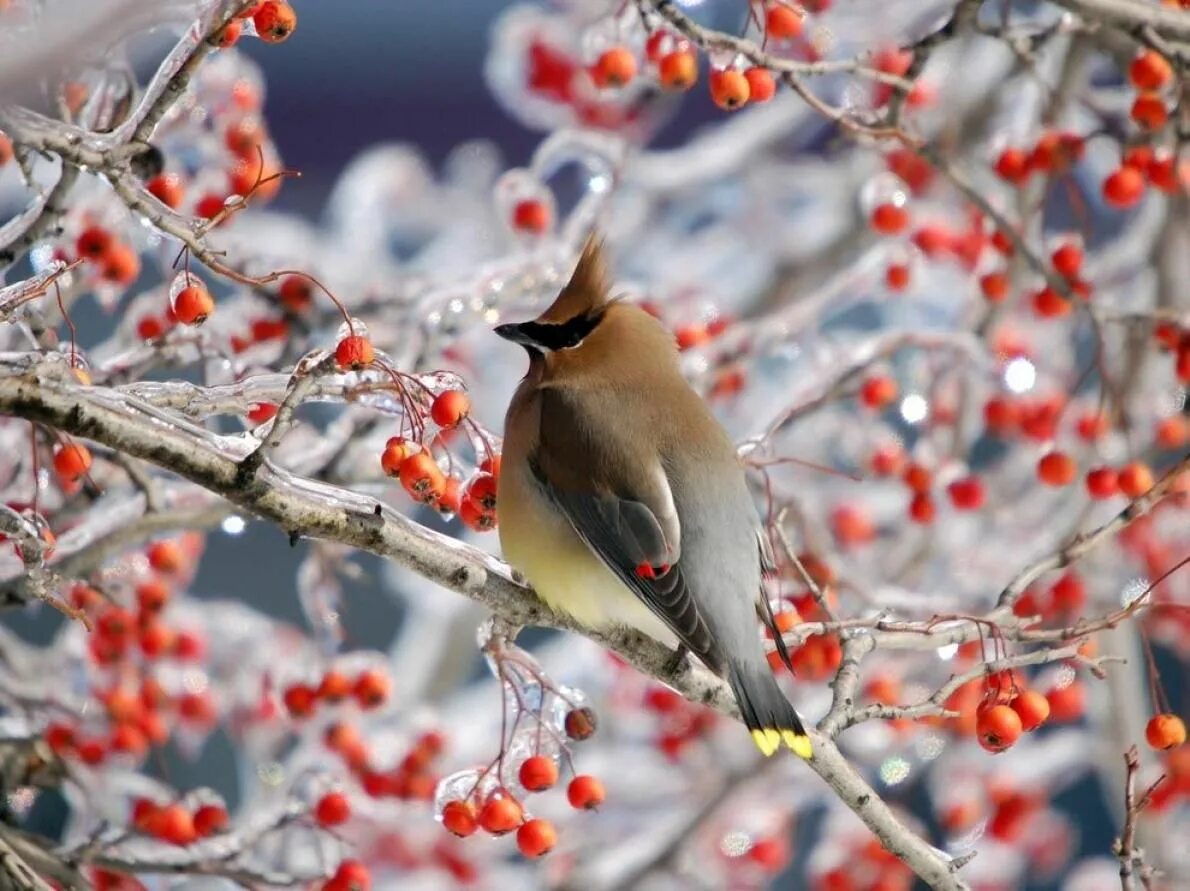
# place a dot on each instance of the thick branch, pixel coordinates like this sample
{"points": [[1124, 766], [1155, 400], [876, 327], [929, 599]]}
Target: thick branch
{"points": [[310, 509]]}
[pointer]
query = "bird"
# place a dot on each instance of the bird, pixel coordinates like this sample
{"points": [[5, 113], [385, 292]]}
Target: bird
{"points": [[623, 501]]}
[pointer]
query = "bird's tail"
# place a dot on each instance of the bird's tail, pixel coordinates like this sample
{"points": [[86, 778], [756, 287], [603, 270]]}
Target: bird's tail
{"points": [[766, 712]]}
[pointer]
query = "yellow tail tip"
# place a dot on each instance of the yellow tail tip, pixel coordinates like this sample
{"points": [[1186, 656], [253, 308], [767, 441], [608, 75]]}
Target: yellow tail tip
{"points": [[767, 740], [798, 743]]}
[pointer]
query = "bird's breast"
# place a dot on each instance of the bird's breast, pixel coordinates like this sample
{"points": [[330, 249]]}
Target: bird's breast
{"points": [[539, 541]]}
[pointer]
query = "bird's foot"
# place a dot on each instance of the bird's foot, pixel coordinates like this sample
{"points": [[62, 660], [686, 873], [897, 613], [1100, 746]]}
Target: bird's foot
{"points": [[676, 662]]}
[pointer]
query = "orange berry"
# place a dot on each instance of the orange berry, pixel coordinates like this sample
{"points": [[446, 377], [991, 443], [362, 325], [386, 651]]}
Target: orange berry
{"points": [[538, 773], [121, 265], [917, 477], [782, 23], [1001, 415], [1165, 731], [458, 817], [152, 596], [421, 476], [536, 837], [531, 215], [334, 686], [274, 20], [167, 188], [761, 84], [585, 792], [614, 67], [229, 35], [193, 304], [998, 727], [1135, 479], [244, 137], [332, 809], [1032, 708], [354, 352], [396, 450], [500, 815], [372, 688], [994, 287], [678, 70], [1172, 432], [450, 408], [1102, 482], [729, 88], [173, 824], [1124, 187], [1049, 304], [72, 461], [889, 219], [1149, 70], [1057, 469]]}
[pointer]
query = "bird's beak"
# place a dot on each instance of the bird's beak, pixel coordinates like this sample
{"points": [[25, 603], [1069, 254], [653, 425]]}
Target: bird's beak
{"points": [[514, 333]]}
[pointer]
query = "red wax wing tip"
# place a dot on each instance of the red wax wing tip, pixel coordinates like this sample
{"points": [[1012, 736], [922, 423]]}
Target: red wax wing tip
{"points": [[645, 571]]}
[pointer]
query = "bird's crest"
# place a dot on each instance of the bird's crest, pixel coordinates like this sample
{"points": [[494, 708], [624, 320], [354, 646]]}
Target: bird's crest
{"points": [[587, 289]]}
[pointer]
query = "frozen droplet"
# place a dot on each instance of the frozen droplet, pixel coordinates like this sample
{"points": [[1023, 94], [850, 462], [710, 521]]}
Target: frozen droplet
{"points": [[883, 188], [181, 282], [355, 326], [462, 784]]}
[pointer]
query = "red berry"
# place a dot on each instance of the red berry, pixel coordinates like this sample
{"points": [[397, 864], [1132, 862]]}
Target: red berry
{"points": [[536, 837], [458, 817], [531, 215], [1102, 482], [614, 68], [1150, 70], [1165, 731], [896, 276], [889, 219], [1124, 187], [396, 450], [878, 391], [94, 242], [729, 88], [229, 35], [262, 411], [422, 477], [300, 700], [580, 723], [152, 596], [1066, 703], [210, 819], [1057, 469], [1067, 259], [1012, 165], [372, 688], [1068, 593], [966, 493], [538, 773], [166, 556], [354, 352], [921, 509], [72, 461], [585, 792], [296, 293], [761, 84], [332, 809], [121, 265], [1149, 111], [198, 708], [500, 815], [167, 188], [450, 408], [350, 876], [209, 205], [274, 20], [1032, 708], [998, 727]]}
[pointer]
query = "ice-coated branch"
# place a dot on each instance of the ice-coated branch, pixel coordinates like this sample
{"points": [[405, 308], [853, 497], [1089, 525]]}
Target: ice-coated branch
{"points": [[303, 508], [1132, 859]]}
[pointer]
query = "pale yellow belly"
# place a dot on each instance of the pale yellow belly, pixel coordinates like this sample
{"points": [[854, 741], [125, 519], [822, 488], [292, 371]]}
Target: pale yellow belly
{"points": [[567, 576]]}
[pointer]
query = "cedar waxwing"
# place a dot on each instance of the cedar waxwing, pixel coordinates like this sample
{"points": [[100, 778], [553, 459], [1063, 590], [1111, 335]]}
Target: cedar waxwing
{"points": [[622, 499]]}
